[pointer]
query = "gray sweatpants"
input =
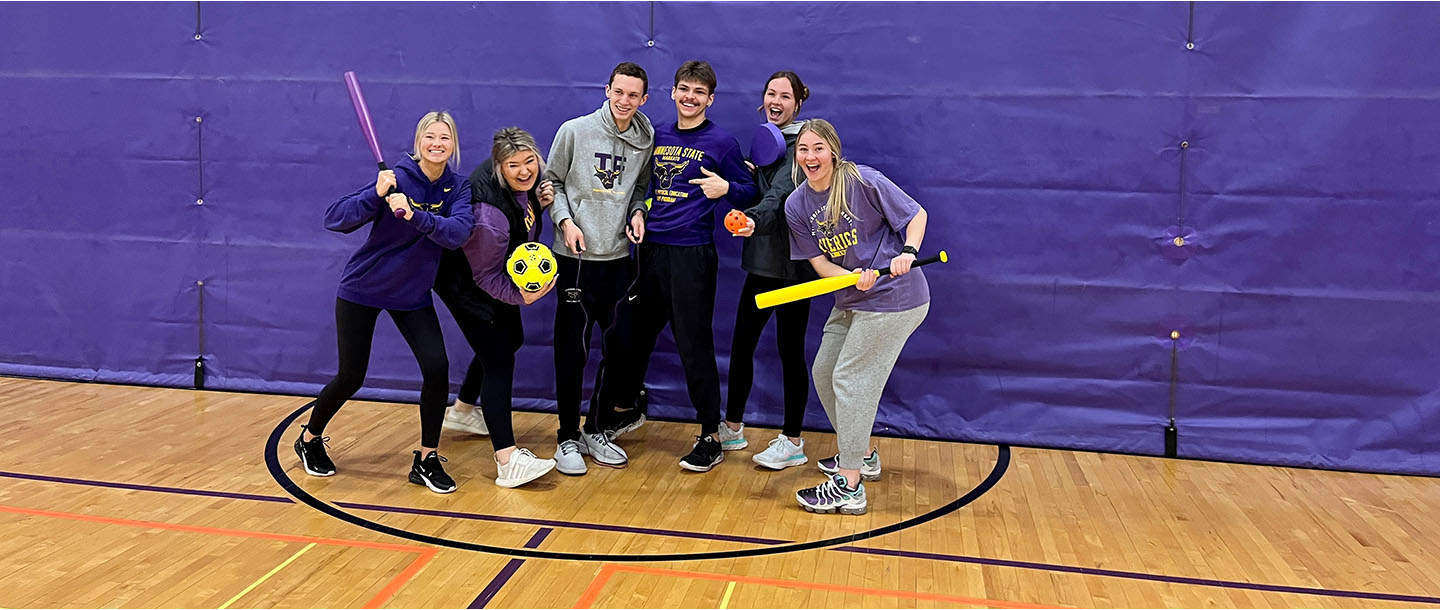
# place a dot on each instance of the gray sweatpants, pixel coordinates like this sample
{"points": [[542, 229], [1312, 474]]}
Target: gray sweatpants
{"points": [[857, 353]]}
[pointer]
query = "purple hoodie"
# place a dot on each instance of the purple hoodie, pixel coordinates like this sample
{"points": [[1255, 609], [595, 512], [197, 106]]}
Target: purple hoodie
{"points": [[395, 267]]}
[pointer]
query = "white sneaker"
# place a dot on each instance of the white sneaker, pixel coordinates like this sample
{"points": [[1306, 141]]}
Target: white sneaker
{"points": [[782, 454], [603, 451], [523, 468], [731, 440], [568, 458], [466, 421]]}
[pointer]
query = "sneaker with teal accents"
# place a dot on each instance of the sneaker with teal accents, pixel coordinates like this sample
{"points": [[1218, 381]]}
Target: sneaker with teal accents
{"points": [[869, 469], [782, 454], [731, 440], [834, 495]]}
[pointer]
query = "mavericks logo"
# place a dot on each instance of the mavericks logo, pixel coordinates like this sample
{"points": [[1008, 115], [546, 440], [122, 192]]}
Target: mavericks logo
{"points": [[609, 175], [834, 239]]}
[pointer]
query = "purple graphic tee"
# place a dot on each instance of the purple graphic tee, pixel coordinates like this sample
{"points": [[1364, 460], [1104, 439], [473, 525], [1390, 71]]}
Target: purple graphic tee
{"points": [[869, 236]]}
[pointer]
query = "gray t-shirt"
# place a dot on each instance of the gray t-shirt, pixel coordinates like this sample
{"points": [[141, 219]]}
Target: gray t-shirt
{"points": [[870, 238]]}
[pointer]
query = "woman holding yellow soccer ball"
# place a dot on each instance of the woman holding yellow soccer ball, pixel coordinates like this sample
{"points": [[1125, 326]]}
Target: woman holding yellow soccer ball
{"points": [[476, 284]]}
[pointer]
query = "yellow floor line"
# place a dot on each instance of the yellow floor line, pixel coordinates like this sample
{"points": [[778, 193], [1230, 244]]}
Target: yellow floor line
{"points": [[266, 576], [725, 601]]}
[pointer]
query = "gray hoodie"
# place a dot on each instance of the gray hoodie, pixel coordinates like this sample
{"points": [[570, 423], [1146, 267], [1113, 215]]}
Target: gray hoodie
{"points": [[601, 176]]}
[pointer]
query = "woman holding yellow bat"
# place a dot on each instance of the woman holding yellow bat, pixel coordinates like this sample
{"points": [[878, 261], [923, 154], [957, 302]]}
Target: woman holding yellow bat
{"points": [[839, 215]]}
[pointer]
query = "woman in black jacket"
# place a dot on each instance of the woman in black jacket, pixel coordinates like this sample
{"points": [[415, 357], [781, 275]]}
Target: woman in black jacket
{"points": [[766, 260], [508, 196]]}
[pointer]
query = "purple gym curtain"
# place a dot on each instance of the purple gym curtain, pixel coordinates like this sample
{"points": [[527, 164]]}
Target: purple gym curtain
{"points": [[163, 155]]}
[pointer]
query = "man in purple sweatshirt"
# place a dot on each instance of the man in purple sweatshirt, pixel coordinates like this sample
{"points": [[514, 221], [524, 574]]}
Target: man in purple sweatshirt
{"points": [[696, 167]]}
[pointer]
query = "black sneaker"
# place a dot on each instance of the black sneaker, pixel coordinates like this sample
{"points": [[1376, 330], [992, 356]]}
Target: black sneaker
{"points": [[704, 456], [430, 473], [628, 420], [312, 455]]}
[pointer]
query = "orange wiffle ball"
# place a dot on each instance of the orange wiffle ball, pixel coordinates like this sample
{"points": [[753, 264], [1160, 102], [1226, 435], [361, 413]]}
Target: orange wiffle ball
{"points": [[736, 220]]}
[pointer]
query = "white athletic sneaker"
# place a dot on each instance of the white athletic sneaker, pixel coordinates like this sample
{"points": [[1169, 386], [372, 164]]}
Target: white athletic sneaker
{"points": [[523, 468], [466, 421], [603, 451], [568, 458], [782, 454], [731, 440], [869, 469]]}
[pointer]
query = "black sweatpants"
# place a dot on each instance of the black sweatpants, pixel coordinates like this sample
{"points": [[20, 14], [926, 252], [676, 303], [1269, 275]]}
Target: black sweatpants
{"points": [[495, 335], [602, 286], [791, 320], [676, 287], [355, 330]]}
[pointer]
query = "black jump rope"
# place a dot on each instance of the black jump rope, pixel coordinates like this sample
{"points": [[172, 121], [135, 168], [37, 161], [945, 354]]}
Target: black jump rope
{"points": [[572, 295]]}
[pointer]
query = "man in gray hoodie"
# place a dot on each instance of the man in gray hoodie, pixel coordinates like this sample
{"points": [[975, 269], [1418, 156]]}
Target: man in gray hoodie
{"points": [[600, 167]]}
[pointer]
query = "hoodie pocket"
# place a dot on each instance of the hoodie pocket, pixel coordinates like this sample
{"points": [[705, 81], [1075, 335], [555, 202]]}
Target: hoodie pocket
{"points": [[603, 222]]}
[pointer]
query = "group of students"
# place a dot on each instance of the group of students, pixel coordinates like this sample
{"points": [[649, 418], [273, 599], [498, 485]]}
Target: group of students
{"points": [[634, 208]]}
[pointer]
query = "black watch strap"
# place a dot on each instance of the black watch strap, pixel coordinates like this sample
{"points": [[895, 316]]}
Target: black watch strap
{"points": [[910, 250]]}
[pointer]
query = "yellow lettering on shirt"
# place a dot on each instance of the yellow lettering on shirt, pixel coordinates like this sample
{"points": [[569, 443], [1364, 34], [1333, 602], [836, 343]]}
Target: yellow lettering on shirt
{"points": [[836, 246]]}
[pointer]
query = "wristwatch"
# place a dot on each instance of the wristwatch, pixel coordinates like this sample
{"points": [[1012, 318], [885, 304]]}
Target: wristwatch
{"points": [[910, 250]]}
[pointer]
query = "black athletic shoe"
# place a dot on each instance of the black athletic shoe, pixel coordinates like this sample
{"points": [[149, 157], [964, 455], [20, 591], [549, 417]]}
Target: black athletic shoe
{"points": [[312, 455], [704, 456], [430, 473], [628, 420]]}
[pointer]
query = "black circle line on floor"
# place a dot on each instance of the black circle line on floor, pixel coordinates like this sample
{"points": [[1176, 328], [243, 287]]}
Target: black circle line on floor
{"points": [[272, 462]]}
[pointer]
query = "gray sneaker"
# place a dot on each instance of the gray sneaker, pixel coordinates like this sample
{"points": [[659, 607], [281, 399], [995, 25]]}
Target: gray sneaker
{"points": [[869, 469], [604, 452], [569, 459]]}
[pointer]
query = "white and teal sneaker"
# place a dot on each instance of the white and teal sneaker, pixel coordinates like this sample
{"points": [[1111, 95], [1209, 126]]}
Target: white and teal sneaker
{"points": [[869, 469], [832, 496], [731, 440], [782, 454]]}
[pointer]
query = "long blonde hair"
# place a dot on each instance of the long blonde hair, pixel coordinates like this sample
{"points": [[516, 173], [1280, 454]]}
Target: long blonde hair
{"points": [[838, 203], [439, 116]]}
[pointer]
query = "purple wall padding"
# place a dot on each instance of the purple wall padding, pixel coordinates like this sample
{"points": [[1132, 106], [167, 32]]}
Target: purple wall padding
{"points": [[1045, 139]]}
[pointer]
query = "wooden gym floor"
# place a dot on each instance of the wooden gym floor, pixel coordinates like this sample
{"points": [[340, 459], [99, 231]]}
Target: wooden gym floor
{"points": [[114, 496]]}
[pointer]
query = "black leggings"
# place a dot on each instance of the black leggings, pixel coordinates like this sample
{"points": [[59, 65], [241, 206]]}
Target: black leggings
{"points": [[791, 320], [491, 376], [355, 330]]}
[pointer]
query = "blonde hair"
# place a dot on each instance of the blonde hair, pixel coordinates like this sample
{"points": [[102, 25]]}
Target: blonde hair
{"points": [[509, 142], [431, 118], [844, 171]]}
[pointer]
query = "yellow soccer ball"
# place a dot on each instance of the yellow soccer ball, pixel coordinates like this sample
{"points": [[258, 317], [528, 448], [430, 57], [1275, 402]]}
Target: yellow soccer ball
{"points": [[531, 266]]}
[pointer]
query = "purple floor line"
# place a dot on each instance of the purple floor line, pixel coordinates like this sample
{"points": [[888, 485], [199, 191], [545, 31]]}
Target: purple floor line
{"points": [[601, 527], [1180, 580], [509, 570], [133, 487]]}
